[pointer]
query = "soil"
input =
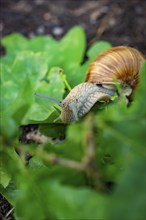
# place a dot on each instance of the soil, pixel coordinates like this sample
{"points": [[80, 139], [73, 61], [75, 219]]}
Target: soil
{"points": [[120, 22]]}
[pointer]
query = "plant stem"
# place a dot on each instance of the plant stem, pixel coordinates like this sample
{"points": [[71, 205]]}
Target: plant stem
{"points": [[63, 77]]}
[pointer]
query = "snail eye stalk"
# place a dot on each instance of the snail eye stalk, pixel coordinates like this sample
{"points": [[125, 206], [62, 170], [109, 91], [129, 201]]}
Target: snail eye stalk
{"points": [[59, 102]]}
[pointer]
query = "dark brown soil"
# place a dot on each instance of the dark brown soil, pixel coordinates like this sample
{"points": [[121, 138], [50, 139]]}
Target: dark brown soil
{"points": [[120, 22], [6, 209]]}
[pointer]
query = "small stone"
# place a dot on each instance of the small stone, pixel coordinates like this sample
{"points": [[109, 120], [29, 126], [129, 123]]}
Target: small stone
{"points": [[57, 31], [39, 2], [47, 16], [40, 29], [112, 22], [31, 35]]}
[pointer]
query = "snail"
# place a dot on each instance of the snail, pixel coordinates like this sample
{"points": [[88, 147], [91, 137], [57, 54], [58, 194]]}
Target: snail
{"points": [[119, 64]]}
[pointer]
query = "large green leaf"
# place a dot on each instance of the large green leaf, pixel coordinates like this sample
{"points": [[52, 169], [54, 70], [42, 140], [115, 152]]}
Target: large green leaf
{"points": [[72, 47], [53, 87], [10, 165], [29, 64], [4, 176], [78, 74], [51, 200], [128, 200], [122, 131], [43, 44], [15, 42], [97, 48], [41, 189]]}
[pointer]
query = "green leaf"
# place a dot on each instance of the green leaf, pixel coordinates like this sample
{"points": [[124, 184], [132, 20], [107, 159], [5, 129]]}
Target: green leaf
{"points": [[15, 85], [8, 127], [73, 47], [53, 130], [60, 201], [11, 163], [69, 53], [43, 43], [10, 192], [97, 48], [128, 200], [5, 73], [24, 101], [9, 91], [29, 64], [15, 102], [4, 176], [78, 73], [53, 87], [15, 42], [74, 203], [139, 105]]}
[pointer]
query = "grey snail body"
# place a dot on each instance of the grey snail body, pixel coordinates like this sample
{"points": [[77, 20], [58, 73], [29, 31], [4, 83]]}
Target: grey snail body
{"points": [[118, 63], [81, 99]]}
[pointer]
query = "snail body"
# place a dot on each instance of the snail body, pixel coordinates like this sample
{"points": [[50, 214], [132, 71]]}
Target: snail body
{"points": [[119, 64], [81, 99]]}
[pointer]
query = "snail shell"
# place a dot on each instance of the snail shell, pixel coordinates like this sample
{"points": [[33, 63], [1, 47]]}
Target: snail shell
{"points": [[118, 63]]}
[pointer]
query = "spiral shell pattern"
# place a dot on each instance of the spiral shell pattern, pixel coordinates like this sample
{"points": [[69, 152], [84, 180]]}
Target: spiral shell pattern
{"points": [[118, 63]]}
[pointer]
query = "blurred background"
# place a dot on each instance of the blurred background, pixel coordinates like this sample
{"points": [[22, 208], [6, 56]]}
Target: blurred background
{"points": [[120, 22]]}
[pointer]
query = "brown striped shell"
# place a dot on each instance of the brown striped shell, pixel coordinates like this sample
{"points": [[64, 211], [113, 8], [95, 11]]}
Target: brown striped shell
{"points": [[121, 63]]}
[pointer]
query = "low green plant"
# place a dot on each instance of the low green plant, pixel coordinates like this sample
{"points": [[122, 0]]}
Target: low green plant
{"points": [[98, 171]]}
